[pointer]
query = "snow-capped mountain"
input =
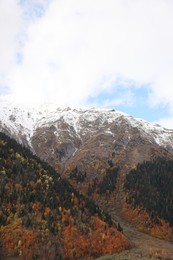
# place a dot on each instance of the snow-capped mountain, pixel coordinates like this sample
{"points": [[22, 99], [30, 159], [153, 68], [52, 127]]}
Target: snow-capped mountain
{"points": [[66, 135]]}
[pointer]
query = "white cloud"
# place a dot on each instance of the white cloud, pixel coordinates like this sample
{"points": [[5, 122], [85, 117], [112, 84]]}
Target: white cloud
{"points": [[10, 21], [166, 122], [77, 49]]}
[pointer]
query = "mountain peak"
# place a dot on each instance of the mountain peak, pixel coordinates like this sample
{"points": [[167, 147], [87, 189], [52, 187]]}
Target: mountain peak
{"points": [[22, 120]]}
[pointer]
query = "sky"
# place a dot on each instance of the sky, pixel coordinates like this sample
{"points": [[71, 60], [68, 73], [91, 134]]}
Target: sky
{"points": [[114, 54]]}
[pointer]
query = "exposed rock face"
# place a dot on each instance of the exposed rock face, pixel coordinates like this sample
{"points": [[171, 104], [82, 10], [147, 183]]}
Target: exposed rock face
{"points": [[86, 138]]}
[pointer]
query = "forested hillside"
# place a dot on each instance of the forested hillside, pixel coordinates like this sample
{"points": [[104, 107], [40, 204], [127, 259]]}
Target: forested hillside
{"points": [[149, 189], [43, 217]]}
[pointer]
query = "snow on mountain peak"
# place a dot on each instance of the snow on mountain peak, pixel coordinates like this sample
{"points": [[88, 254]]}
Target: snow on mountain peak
{"points": [[23, 119]]}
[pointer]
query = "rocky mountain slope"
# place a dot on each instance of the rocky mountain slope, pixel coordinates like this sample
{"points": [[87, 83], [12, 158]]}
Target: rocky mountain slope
{"points": [[89, 139], [62, 133]]}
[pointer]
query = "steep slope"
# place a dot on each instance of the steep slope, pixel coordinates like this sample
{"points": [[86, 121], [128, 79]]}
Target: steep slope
{"points": [[94, 149], [121, 143], [43, 217], [60, 134], [149, 197]]}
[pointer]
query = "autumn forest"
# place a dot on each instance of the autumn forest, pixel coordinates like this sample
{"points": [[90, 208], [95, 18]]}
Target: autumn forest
{"points": [[43, 217]]}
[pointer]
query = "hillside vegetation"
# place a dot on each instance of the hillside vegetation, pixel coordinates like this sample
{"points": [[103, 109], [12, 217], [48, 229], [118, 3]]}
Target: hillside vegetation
{"points": [[43, 217], [149, 192]]}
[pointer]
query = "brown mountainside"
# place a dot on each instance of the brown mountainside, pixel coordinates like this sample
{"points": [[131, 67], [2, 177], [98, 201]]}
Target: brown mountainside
{"points": [[87, 142], [90, 147]]}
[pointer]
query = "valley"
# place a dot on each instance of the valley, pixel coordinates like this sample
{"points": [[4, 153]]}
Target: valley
{"points": [[145, 246]]}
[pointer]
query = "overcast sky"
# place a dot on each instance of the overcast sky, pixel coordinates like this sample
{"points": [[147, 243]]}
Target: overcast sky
{"points": [[104, 53]]}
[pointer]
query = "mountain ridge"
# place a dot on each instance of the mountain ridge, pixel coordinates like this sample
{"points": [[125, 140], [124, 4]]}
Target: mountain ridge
{"points": [[27, 120], [85, 138]]}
